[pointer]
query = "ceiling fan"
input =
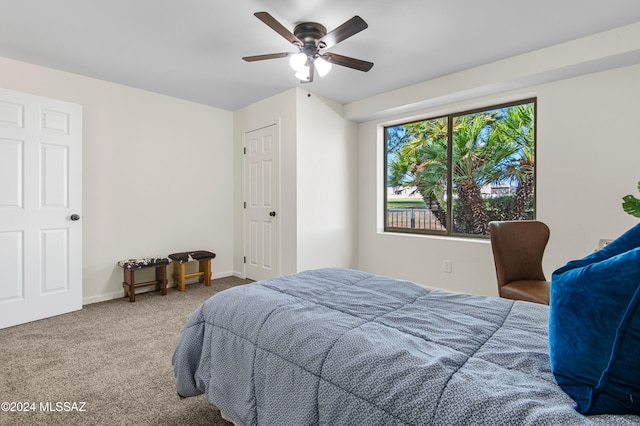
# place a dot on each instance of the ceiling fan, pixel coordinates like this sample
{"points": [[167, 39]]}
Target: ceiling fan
{"points": [[310, 38]]}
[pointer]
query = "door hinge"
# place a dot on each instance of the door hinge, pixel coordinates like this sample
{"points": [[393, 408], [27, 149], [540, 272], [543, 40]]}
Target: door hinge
{"points": [[244, 260], [245, 204], [244, 150]]}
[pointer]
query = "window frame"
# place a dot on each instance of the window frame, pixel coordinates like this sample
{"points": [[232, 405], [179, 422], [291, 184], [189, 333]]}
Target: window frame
{"points": [[449, 204]]}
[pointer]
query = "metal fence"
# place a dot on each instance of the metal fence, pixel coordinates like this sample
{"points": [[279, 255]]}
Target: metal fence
{"points": [[413, 219]]}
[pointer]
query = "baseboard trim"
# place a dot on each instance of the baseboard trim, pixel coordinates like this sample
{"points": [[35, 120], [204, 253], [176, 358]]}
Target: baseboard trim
{"points": [[120, 293]]}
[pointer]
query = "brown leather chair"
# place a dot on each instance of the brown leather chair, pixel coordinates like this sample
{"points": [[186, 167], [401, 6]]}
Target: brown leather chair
{"points": [[518, 247]]}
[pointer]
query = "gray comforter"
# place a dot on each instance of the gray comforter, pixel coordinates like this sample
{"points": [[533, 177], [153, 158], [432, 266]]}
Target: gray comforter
{"points": [[344, 347]]}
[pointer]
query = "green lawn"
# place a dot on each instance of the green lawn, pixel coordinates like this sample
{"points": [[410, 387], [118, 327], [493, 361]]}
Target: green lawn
{"points": [[405, 203]]}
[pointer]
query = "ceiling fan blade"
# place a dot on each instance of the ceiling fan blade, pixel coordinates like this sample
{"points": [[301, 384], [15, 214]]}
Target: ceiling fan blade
{"points": [[263, 57], [278, 27], [343, 32], [346, 61]]}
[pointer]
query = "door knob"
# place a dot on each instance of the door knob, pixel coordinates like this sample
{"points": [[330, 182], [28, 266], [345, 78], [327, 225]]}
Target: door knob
{"points": [[272, 214], [75, 217]]}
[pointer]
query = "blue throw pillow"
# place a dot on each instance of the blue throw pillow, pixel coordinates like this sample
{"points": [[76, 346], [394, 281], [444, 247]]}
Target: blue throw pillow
{"points": [[594, 328]]}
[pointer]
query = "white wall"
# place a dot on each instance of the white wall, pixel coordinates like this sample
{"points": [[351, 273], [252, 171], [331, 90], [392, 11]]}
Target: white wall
{"points": [[157, 175], [280, 110], [318, 180], [162, 174], [587, 157], [327, 165]]}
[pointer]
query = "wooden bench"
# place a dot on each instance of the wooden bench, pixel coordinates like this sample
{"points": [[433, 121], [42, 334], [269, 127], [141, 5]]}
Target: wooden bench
{"points": [[204, 266], [131, 265]]}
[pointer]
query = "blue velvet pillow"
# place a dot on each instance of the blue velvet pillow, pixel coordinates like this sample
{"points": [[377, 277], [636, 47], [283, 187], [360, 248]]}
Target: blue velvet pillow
{"points": [[594, 328]]}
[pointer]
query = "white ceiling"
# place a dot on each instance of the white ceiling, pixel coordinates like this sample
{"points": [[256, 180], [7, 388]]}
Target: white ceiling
{"points": [[192, 49]]}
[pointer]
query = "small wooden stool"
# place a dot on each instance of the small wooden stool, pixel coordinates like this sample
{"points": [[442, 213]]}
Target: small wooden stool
{"points": [[129, 267], [204, 268]]}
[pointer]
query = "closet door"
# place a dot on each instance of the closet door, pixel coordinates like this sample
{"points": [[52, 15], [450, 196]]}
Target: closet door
{"points": [[40, 207], [261, 230]]}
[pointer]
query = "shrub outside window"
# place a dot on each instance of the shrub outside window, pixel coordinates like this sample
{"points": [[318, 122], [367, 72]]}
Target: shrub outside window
{"points": [[452, 175]]}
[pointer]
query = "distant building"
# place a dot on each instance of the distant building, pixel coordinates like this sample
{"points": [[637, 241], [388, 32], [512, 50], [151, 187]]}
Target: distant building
{"points": [[487, 191], [397, 192], [493, 191]]}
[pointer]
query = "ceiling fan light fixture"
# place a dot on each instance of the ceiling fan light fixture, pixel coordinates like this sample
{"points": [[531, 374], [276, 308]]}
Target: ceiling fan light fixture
{"points": [[298, 61], [303, 73], [322, 66]]}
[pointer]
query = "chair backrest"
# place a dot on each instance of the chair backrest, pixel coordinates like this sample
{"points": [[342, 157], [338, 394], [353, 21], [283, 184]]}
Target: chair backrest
{"points": [[518, 247]]}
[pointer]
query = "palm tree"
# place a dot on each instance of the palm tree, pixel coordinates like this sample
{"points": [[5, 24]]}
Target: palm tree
{"points": [[421, 162], [480, 157], [516, 128], [470, 170]]}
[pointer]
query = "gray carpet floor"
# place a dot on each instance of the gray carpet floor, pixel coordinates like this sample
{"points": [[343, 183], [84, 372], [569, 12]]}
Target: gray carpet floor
{"points": [[112, 359]]}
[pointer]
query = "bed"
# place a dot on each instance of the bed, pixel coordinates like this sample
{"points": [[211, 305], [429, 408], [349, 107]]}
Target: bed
{"points": [[344, 347]]}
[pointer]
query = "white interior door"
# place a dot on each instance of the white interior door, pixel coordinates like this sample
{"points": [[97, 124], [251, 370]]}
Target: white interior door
{"points": [[40, 207], [261, 230]]}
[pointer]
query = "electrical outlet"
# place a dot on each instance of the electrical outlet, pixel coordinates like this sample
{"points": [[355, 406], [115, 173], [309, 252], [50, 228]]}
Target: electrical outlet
{"points": [[446, 266], [603, 242]]}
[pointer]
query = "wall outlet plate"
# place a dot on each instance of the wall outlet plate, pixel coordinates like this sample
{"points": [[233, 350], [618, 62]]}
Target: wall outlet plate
{"points": [[603, 242]]}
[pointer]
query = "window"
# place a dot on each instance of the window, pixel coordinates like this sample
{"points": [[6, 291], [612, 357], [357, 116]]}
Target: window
{"points": [[454, 174]]}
